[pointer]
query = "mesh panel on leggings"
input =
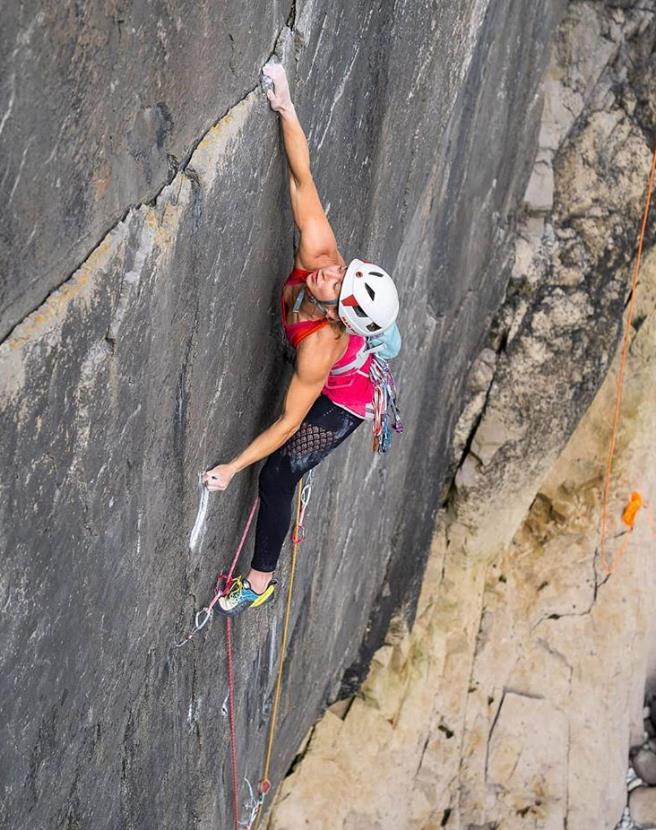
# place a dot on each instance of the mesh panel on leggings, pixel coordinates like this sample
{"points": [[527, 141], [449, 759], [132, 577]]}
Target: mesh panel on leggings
{"points": [[309, 439]]}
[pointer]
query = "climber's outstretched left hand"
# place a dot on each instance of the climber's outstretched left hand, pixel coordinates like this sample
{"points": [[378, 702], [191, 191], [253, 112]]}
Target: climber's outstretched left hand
{"points": [[279, 97]]}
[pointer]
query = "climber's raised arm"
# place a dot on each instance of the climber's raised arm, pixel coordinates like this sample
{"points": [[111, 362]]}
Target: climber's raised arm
{"points": [[317, 244]]}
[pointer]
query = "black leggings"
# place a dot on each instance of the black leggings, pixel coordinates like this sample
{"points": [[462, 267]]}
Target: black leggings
{"points": [[325, 427]]}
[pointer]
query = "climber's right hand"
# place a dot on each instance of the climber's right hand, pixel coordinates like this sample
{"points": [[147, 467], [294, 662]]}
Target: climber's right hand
{"points": [[219, 477], [279, 97]]}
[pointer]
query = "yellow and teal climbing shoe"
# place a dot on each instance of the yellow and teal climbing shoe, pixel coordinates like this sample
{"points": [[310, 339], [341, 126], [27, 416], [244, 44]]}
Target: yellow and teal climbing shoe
{"points": [[241, 596]]}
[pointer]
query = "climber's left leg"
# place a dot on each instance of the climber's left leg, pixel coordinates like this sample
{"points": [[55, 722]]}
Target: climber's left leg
{"points": [[325, 427]]}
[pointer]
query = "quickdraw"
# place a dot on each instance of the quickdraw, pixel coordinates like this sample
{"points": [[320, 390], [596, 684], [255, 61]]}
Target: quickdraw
{"points": [[384, 404], [298, 533], [253, 804], [223, 581]]}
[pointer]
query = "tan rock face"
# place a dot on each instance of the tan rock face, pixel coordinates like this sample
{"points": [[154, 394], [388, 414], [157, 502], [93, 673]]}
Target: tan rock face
{"points": [[514, 699], [642, 803]]}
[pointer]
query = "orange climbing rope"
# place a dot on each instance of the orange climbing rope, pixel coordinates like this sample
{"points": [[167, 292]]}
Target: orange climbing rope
{"points": [[636, 501], [298, 535]]}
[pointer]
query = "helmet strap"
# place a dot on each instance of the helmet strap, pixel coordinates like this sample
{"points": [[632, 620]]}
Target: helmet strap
{"points": [[324, 305]]}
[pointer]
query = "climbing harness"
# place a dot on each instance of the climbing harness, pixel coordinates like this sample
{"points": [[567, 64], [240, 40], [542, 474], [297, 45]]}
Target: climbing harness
{"points": [[636, 501], [386, 411]]}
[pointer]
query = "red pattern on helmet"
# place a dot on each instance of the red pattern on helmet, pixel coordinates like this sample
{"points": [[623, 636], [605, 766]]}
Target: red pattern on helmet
{"points": [[350, 301]]}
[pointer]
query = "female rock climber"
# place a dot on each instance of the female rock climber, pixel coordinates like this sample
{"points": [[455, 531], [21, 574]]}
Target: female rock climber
{"points": [[328, 309]]}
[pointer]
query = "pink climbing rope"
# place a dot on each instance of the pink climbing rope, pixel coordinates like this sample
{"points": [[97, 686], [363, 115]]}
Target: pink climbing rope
{"points": [[223, 581], [222, 586]]}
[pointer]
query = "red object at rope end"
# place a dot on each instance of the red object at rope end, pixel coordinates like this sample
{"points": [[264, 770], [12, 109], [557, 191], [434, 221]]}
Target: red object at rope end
{"points": [[264, 786], [632, 508]]}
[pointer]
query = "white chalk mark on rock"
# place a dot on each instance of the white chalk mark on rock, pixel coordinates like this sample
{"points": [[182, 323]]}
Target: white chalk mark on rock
{"points": [[10, 105], [20, 171], [199, 524], [338, 95]]}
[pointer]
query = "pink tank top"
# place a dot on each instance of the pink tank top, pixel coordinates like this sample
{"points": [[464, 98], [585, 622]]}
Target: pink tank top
{"points": [[351, 390]]}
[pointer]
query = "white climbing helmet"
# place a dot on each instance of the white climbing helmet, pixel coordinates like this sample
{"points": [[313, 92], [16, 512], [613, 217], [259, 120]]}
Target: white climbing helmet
{"points": [[368, 300]]}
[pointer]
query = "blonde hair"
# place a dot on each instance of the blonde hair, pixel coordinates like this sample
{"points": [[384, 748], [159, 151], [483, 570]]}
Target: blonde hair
{"points": [[338, 327]]}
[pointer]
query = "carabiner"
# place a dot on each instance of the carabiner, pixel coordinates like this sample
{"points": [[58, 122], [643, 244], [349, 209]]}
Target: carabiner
{"points": [[208, 614]]}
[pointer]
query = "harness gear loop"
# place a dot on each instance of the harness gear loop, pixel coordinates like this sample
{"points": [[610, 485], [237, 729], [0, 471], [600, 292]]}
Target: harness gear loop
{"points": [[608, 567]]}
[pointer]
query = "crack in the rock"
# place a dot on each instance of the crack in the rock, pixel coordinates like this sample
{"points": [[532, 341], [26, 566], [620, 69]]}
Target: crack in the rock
{"points": [[467, 449], [506, 691], [490, 733], [176, 166], [557, 616], [555, 653], [291, 17], [298, 758], [421, 755]]}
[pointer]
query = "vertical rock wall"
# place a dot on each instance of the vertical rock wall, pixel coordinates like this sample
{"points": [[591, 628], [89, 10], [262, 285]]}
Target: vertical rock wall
{"points": [[100, 105], [514, 699], [147, 236]]}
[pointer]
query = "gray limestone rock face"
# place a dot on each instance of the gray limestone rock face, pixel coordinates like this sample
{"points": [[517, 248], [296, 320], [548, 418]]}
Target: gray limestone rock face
{"points": [[100, 104], [161, 355]]}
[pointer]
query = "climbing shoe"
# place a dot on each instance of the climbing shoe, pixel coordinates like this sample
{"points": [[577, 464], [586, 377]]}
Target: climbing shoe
{"points": [[241, 596]]}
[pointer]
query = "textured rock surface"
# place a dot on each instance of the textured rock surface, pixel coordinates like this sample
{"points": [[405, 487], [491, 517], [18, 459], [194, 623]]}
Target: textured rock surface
{"points": [[642, 803], [96, 116], [515, 698], [160, 356], [644, 764]]}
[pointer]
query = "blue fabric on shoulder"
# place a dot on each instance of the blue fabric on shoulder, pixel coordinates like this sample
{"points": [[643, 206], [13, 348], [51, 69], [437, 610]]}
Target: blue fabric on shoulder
{"points": [[386, 345]]}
